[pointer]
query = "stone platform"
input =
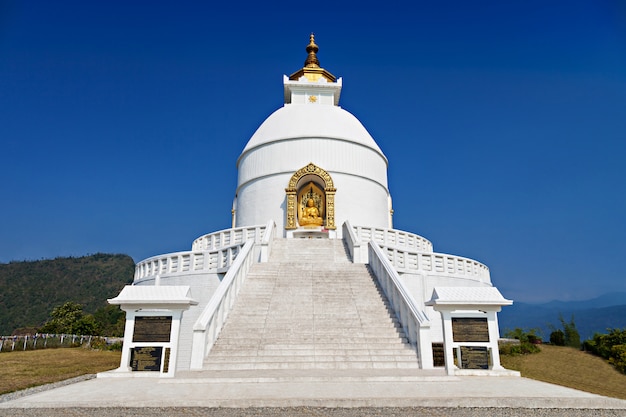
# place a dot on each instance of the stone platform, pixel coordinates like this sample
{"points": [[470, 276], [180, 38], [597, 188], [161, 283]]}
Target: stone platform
{"points": [[323, 388]]}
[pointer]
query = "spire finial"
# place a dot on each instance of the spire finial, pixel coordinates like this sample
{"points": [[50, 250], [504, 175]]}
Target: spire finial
{"points": [[312, 48], [312, 70]]}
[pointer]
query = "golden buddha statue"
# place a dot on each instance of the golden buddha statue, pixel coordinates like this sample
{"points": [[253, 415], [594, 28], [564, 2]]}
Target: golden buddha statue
{"points": [[311, 215]]}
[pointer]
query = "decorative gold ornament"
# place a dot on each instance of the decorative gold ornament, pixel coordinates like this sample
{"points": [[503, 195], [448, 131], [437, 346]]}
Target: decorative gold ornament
{"points": [[312, 70], [323, 200], [312, 99]]}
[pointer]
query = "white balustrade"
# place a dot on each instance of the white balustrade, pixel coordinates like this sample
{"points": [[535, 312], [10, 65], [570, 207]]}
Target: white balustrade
{"points": [[437, 264], [410, 253], [186, 262], [393, 237], [228, 237], [414, 321], [208, 326], [266, 241], [354, 244], [211, 253]]}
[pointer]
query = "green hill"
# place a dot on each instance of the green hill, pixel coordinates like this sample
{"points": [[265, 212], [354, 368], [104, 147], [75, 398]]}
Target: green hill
{"points": [[29, 290]]}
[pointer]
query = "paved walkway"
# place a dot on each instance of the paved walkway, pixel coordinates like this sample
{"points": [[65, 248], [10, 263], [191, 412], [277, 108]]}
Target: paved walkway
{"points": [[428, 391]]}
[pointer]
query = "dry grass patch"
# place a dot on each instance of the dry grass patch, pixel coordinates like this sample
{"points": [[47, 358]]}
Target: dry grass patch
{"points": [[570, 368], [20, 370]]}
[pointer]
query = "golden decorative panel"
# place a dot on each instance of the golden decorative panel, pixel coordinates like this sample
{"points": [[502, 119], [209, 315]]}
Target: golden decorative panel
{"points": [[322, 205]]}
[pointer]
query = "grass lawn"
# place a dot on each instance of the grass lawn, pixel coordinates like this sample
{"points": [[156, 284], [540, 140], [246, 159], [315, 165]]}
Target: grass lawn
{"points": [[20, 370], [570, 368]]}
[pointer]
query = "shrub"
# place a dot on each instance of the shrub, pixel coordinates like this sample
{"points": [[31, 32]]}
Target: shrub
{"points": [[611, 346], [523, 348], [528, 341], [557, 338], [618, 358], [523, 335], [101, 343]]}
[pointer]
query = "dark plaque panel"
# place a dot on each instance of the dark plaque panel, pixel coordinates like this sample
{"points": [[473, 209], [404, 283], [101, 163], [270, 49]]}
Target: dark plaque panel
{"points": [[474, 357], [470, 330], [152, 329], [439, 358], [166, 361], [146, 358]]}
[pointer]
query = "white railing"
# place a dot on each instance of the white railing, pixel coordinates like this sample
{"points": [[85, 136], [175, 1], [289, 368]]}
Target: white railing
{"points": [[437, 263], [186, 262], [355, 246], [413, 320], [228, 237], [208, 326], [208, 260], [393, 237], [409, 253], [265, 247]]}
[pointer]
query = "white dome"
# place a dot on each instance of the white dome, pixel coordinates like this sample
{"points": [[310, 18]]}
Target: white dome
{"points": [[306, 121]]}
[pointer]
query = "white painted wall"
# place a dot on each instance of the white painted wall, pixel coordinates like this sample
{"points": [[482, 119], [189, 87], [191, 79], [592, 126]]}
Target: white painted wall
{"points": [[359, 174]]}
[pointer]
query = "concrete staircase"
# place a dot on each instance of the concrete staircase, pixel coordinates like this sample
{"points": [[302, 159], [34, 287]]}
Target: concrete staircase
{"points": [[310, 309]]}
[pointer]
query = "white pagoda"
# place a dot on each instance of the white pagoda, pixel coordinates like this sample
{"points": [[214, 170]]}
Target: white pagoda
{"points": [[312, 274]]}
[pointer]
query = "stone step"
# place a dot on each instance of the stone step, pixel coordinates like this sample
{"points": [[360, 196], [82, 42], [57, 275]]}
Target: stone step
{"points": [[312, 365], [319, 312], [319, 324], [309, 375], [312, 358], [310, 341], [248, 353]]}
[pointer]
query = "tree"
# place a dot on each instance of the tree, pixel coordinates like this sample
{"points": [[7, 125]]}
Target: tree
{"points": [[69, 319], [110, 321], [570, 333], [557, 338]]}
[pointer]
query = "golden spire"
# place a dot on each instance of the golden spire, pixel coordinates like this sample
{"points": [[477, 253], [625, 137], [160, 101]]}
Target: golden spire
{"points": [[312, 48], [312, 70]]}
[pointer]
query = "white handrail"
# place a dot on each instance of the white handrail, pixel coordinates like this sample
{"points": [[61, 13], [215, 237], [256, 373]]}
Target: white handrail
{"points": [[406, 261], [353, 242], [186, 262], [207, 328], [228, 237], [410, 253], [266, 241], [413, 320], [393, 237]]}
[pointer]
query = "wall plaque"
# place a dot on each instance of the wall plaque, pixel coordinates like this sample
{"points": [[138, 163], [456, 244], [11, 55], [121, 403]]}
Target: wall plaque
{"points": [[147, 358], [465, 329], [474, 357], [166, 361], [152, 329], [439, 358]]}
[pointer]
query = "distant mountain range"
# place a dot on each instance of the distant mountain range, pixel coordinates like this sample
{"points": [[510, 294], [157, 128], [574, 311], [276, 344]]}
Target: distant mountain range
{"points": [[590, 316]]}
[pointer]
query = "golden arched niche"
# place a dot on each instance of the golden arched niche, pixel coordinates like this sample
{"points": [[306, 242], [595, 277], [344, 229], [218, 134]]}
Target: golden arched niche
{"points": [[310, 199]]}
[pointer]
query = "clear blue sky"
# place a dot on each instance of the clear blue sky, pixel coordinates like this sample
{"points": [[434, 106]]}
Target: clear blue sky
{"points": [[504, 124]]}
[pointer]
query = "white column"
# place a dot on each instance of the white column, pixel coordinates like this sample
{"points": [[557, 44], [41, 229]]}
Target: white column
{"points": [[128, 337], [494, 335], [448, 339]]}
